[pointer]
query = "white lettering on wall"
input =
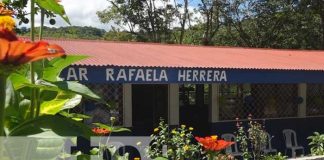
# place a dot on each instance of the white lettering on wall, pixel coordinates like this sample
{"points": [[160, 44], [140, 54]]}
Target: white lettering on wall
{"points": [[109, 74], [83, 74], [182, 75], [163, 75], [148, 74], [121, 75], [195, 75], [71, 75], [202, 75], [131, 74], [140, 75], [223, 76]]}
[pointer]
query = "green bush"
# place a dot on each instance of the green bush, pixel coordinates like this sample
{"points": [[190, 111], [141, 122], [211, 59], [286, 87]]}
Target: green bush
{"points": [[316, 144], [178, 142], [277, 156]]}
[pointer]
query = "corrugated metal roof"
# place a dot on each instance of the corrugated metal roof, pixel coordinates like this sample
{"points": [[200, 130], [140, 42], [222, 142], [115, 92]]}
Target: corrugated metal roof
{"points": [[104, 53]]}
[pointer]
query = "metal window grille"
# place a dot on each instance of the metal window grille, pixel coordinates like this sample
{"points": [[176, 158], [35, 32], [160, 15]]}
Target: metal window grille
{"points": [[100, 113], [315, 100], [260, 100]]}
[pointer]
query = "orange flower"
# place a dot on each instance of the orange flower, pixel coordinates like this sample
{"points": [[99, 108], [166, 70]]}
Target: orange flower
{"points": [[14, 51], [100, 131], [20, 52], [7, 23], [212, 144]]}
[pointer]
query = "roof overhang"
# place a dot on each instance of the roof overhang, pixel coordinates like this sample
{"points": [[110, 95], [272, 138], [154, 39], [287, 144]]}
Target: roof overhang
{"points": [[114, 62]]}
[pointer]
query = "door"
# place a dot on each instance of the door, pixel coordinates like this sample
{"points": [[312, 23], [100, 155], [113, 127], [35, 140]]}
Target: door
{"points": [[150, 103]]}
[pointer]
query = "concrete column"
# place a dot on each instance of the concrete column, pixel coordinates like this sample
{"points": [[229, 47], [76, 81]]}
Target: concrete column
{"points": [[214, 103], [127, 105], [302, 92], [173, 107]]}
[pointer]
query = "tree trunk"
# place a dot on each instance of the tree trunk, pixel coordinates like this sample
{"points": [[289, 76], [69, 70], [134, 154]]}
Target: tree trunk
{"points": [[184, 19]]}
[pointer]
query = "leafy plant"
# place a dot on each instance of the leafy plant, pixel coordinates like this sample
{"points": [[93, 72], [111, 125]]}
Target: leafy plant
{"points": [[254, 137], [277, 156], [316, 144], [178, 142]]}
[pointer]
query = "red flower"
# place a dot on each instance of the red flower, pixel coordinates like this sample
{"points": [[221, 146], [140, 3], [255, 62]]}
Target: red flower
{"points": [[211, 143], [100, 131]]}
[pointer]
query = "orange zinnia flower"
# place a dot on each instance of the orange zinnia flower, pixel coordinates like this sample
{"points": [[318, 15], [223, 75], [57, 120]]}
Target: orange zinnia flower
{"points": [[20, 52], [14, 51], [212, 144], [100, 131]]}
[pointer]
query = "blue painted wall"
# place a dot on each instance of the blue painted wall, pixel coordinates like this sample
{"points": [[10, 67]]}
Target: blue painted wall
{"points": [[154, 75]]}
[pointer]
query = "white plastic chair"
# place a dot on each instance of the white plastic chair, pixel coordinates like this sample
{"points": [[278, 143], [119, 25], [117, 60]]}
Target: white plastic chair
{"points": [[232, 150], [268, 148], [291, 142]]}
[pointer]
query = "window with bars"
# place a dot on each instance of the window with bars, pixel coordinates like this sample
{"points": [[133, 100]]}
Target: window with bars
{"points": [[188, 94], [260, 100], [315, 100], [100, 113]]}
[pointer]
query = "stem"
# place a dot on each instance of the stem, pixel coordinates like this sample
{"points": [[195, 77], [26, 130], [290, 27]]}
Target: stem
{"points": [[32, 71], [32, 20], [40, 38], [42, 24], [3, 80]]}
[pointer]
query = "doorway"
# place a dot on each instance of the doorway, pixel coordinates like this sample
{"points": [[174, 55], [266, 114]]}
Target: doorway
{"points": [[194, 101], [149, 103]]}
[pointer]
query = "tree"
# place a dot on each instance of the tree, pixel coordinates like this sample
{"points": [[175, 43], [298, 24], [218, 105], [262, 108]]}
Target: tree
{"points": [[150, 20], [212, 11]]}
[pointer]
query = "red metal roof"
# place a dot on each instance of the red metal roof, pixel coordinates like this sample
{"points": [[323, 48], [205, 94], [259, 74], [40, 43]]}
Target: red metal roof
{"points": [[104, 53]]}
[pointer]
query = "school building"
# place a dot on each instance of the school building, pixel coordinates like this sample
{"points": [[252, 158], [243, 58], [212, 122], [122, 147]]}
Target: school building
{"points": [[203, 87]]}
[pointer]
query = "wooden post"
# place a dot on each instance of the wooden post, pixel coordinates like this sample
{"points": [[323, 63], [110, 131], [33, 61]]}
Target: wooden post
{"points": [[127, 105], [302, 92], [213, 103], [173, 107]]}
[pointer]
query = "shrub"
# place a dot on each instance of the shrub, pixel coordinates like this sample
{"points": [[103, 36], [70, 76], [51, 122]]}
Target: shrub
{"points": [[316, 144], [178, 142], [253, 137]]}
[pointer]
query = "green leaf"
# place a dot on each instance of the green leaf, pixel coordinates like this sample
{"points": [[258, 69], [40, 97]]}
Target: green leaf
{"points": [[56, 66], [18, 81], [60, 102], [53, 6], [59, 125], [75, 116], [67, 86], [78, 88], [112, 129]]}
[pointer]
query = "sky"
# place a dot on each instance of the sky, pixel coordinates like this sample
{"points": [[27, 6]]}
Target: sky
{"points": [[80, 13]]}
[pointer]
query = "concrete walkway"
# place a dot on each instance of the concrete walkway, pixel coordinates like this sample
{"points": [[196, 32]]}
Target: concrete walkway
{"points": [[308, 158]]}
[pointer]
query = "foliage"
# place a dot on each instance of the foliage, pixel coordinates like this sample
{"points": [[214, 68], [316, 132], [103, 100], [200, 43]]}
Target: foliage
{"points": [[70, 32], [248, 23], [253, 137], [277, 156], [178, 142], [316, 144], [55, 96], [105, 146], [51, 8], [149, 20]]}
